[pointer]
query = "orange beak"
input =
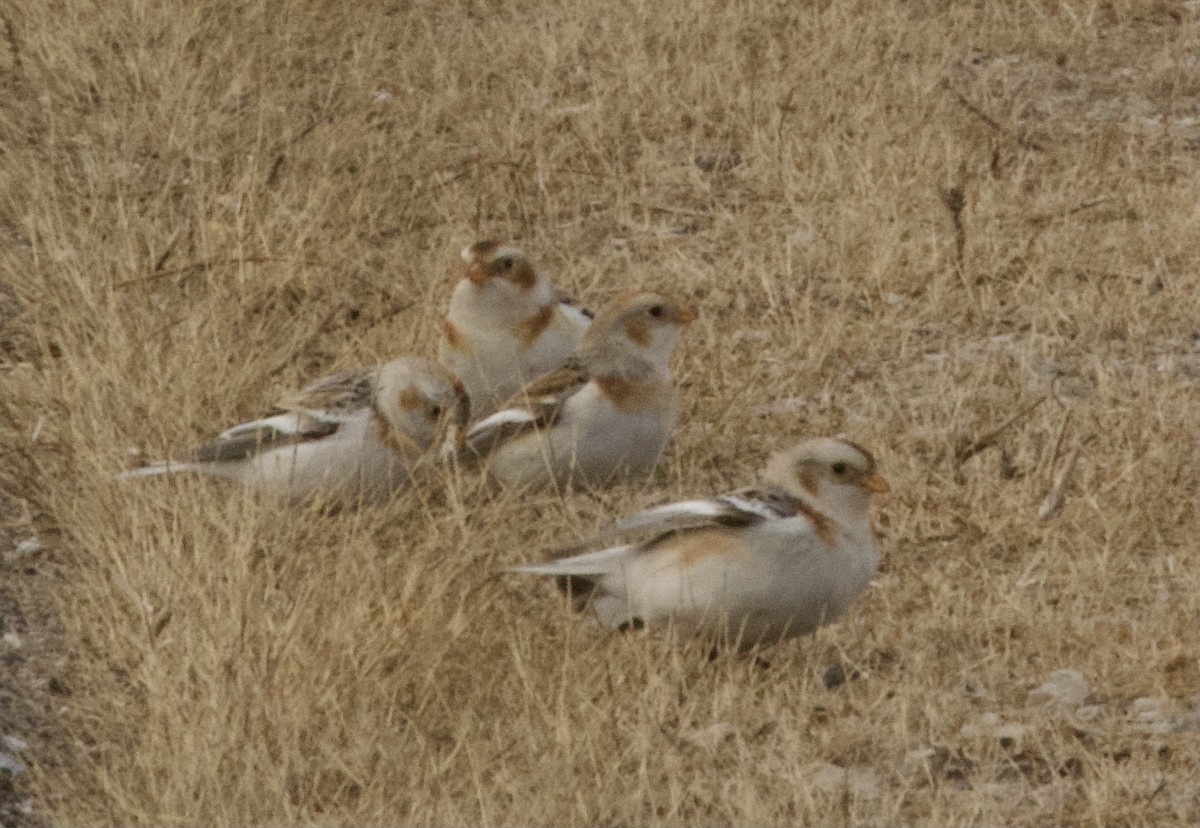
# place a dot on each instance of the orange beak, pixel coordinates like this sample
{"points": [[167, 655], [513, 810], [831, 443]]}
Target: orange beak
{"points": [[876, 484]]}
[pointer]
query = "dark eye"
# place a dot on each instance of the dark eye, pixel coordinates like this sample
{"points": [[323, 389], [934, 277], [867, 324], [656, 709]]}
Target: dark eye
{"points": [[506, 262], [435, 411], [657, 311], [839, 468]]}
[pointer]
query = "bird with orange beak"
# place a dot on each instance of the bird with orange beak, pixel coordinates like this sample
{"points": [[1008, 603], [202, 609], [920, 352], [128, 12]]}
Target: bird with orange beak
{"points": [[348, 437], [506, 326], [746, 568], [607, 415]]}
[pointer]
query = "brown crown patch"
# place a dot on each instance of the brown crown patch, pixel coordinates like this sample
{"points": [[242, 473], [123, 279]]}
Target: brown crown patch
{"points": [[480, 251]]}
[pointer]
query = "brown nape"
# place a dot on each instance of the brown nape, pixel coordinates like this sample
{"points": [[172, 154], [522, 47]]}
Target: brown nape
{"points": [[530, 329], [824, 525], [454, 338]]}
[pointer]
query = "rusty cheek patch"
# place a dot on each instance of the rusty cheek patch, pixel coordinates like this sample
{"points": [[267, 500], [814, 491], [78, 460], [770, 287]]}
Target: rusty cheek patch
{"points": [[810, 483], [522, 276], [455, 339], [530, 329], [399, 443], [410, 399], [638, 332], [825, 527]]}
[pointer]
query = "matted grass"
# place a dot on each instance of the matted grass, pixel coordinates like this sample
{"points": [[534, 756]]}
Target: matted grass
{"points": [[205, 205]]}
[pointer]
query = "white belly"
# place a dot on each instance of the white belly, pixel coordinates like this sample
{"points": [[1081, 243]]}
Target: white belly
{"points": [[593, 444], [349, 464]]}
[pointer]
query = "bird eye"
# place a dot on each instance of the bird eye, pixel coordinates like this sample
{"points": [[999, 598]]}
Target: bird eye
{"points": [[839, 468], [507, 262], [435, 411], [657, 311]]}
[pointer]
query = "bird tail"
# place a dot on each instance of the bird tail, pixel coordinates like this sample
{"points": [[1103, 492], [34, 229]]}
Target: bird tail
{"points": [[155, 469], [589, 563]]}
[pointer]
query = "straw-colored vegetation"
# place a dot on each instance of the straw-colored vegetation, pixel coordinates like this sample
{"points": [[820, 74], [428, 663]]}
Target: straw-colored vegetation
{"points": [[907, 221]]}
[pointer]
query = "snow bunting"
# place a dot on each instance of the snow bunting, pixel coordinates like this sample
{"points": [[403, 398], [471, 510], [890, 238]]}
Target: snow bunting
{"points": [[506, 326], [351, 434], [755, 565], [607, 414]]}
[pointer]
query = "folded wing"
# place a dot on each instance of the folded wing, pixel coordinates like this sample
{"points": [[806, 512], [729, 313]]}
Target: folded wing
{"points": [[537, 406]]}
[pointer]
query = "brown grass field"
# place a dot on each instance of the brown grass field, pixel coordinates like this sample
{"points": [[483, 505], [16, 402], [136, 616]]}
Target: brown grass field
{"points": [[966, 234]]}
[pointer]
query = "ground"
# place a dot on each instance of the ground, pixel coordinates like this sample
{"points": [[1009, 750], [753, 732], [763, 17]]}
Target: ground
{"points": [[964, 234]]}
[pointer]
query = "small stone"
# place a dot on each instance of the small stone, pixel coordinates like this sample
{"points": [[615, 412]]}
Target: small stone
{"points": [[835, 676], [1156, 716], [804, 236], [721, 163], [825, 776], [984, 727], [927, 759], [13, 640], [14, 744], [784, 407], [755, 335], [1067, 687], [24, 549], [29, 546], [894, 299], [708, 737], [10, 764]]}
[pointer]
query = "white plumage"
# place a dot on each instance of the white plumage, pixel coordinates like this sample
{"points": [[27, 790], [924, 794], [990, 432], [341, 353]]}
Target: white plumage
{"points": [[506, 326], [349, 435], [752, 566], [607, 415]]}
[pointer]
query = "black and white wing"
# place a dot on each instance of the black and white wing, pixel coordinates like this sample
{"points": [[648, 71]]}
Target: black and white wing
{"points": [[740, 508]]}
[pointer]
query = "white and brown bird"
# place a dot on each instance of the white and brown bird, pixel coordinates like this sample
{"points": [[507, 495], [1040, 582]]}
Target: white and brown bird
{"points": [[506, 326], [351, 435], [608, 414], [749, 567]]}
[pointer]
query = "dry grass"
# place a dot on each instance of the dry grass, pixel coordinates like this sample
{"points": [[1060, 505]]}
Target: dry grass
{"points": [[204, 205]]}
